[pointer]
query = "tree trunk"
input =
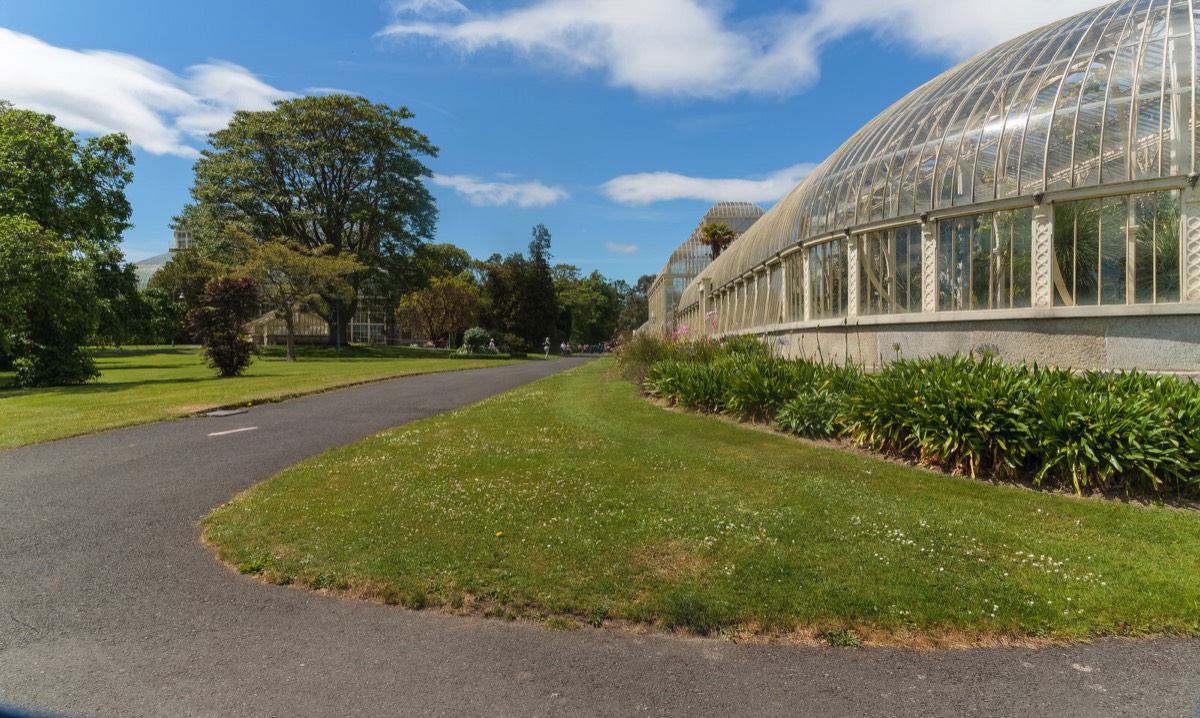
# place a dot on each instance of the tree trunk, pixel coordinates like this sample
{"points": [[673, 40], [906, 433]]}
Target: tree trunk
{"points": [[289, 323], [339, 321]]}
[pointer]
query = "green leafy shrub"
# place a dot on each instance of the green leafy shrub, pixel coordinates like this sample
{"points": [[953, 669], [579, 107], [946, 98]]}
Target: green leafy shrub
{"points": [[760, 384], [475, 340], [637, 355], [745, 346], [689, 384], [1110, 433], [956, 412], [1125, 432], [817, 413]]}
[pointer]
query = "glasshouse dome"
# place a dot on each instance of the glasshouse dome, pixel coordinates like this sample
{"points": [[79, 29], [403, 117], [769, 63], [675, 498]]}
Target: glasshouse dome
{"points": [[1038, 200]]}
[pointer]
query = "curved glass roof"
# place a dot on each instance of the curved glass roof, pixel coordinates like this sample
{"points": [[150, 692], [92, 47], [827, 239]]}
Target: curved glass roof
{"points": [[1103, 97], [149, 266]]}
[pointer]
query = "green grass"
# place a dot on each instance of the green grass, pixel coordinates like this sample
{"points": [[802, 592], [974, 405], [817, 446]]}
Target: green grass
{"points": [[137, 386], [574, 499]]}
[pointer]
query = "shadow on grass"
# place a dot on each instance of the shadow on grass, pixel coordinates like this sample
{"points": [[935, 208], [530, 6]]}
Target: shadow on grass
{"points": [[100, 388], [121, 352]]}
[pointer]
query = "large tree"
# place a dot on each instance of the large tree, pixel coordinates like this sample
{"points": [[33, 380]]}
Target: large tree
{"points": [[63, 206], [518, 294], [334, 174], [293, 279], [588, 305], [447, 306]]}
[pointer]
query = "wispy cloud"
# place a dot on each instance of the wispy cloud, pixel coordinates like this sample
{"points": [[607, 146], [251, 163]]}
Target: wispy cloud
{"points": [[95, 91], [650, 187], [328, 91], [693, 48], [621, 248], [481, 193]]}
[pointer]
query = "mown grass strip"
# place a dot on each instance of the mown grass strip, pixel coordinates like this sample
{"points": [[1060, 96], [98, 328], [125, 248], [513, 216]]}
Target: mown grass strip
{"points": [[575, 499], [139, 386]]}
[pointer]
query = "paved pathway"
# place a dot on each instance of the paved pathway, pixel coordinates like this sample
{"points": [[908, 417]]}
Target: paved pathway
{"points": [[109, 606]]}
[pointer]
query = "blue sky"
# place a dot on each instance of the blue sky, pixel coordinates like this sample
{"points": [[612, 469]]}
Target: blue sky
{"points": [[616, 123]]}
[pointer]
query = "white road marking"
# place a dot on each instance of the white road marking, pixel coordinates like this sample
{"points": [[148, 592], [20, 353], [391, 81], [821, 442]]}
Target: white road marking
{"points": [[233, 431]]}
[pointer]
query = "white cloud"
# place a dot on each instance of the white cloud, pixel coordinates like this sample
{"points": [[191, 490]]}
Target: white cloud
{"points": [[954, 29], [419, 7], [95, 91], [650, 187], [692, 48], [480, 193], [328, 91], [621, 248]]}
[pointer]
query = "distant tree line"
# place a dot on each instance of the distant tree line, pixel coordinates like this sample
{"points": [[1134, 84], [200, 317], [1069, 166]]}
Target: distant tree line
{"points": [[319, 205]]}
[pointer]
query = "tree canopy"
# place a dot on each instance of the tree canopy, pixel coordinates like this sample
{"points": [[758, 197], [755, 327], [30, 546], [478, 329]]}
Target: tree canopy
{"points": [[333, 174], [63, 278], [447, 306], [518, 294], [293, 279]]}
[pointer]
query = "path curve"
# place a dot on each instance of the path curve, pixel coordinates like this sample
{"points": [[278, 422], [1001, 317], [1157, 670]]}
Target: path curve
{"points": [[109, 606]]}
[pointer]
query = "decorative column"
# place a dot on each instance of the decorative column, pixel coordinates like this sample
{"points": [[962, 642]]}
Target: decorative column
{"points": [[783, 311], [929, 283], [1190, 244], [1043, 256], [806, 289], [852, 278]]}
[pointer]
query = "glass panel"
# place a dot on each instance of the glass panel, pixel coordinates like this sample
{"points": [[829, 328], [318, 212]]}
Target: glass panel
{"points": [[908, 269], [1166, 247], [1114, 239], [960, 257], [1015, 232], [1177, 109], [1033, 151], [984, 263], [1090, 121], [828, 270], [1008, 167], [868, 280], [1195, 64], [924, 198], [1145, 239], [1063, 270], [1148, 115], [1087, 252], [908, 183], [1115, 164], [989, 120], [1062, 129], [945, 261]]}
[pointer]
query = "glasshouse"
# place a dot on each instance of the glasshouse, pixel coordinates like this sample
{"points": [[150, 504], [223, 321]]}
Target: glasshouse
{"points": [[691, 257], [1038, 201]]}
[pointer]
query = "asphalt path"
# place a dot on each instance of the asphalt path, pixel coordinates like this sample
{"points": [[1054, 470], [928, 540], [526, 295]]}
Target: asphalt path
{"points": [[109, 606]]}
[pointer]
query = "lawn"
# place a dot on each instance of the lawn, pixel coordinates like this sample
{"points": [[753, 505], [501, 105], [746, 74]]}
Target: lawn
{"points": [[575, 501], [138, 386]]}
